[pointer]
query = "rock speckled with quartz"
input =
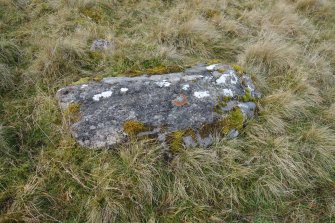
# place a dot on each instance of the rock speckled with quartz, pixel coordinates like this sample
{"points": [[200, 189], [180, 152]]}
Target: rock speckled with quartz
{"points": [[163, 103]]}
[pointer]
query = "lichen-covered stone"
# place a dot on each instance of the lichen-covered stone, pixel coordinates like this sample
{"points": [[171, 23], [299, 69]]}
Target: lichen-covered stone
{"points": [[114, 109], [100, 45]]}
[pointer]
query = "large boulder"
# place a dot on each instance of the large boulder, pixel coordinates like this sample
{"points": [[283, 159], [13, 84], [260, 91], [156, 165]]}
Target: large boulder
{"points": [[186, 108]]}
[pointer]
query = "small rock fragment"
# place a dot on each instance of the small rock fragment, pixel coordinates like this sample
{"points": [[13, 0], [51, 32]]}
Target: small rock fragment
{"points": [[189, 142], [232, 134], [100, 45]]}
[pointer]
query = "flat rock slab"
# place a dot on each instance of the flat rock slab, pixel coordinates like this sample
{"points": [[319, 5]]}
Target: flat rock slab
{"points": [[163, 103]]}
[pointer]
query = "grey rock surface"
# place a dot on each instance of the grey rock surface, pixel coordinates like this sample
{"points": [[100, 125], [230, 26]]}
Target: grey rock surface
{"points": [[100, 45], [163, 103]]}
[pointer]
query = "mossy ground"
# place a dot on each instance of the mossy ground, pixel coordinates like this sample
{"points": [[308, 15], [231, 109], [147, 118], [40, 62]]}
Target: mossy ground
{"points": [[281, 169]]}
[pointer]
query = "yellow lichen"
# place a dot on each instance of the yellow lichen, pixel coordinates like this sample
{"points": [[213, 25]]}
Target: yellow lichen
{"points": [[97, 78], [72, 112], [85, 80], [221, 70], [238, 69], [162, 69], [133, 127], [82, 80], [213, 61]]}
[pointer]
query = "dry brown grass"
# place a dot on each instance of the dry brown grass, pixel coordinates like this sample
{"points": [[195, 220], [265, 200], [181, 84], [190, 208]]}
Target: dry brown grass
{"points": [[281, 168]]}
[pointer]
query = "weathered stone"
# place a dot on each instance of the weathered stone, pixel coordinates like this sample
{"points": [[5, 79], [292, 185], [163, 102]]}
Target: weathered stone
{"points": [[232, 134], [100, 45], [158, 105], [189, 142]]}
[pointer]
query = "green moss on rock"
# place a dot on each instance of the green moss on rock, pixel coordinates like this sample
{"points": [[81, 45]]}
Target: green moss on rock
{"points": [[133, 127], [234, 120], [175, 139], [222, 102], [247, 96], [82, 80], [239, 70], [160, 69], [213, 61], [85, 80]]}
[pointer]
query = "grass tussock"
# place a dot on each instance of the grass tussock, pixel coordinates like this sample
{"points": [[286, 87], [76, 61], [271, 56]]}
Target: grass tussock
{"points": [[281, 167]]}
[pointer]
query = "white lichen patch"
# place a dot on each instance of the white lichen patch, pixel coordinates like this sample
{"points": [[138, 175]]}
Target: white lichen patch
{"points": [[231, 72], [186, 87], [201, 94], [192, 77], [124, 90], [208, 78], [228, 92], [224, 77], [211, 67], [83, 86], [163, 83], [234, 79], [105, 94]]}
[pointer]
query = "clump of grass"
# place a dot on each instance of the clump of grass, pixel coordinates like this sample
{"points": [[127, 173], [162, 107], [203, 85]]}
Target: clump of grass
{"points": [[93, 12], [280, 169], [271, 55], [176, 141], [211, 13], [9, 52], [191, 35], [3, 142], [7, 79], [308, 5]]}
